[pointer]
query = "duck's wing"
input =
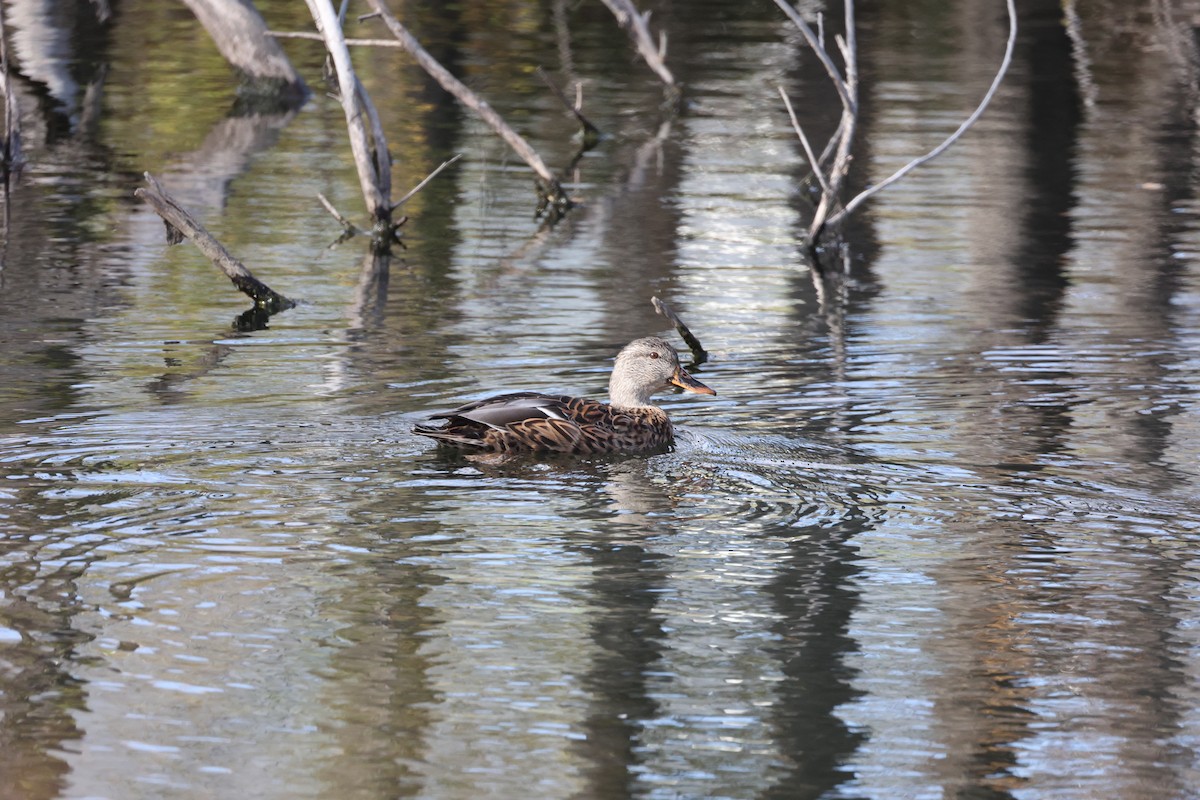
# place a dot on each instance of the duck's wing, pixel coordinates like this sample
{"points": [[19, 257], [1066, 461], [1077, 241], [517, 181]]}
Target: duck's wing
{"points": [[507, 409], [523, 420]]}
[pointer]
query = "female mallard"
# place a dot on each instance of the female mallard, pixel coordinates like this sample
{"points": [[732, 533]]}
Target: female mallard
{"points": [[539, 423]]}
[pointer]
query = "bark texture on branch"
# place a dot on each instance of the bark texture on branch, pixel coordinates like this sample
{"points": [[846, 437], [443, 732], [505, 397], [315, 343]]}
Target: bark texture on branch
{"points": [[180, 224], [372, 159]]}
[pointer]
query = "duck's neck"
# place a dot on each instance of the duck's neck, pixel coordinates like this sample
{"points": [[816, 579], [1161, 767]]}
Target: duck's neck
{"points": [[623, 396]]}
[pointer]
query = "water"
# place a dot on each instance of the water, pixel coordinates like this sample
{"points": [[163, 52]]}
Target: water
{"points": [[934, 537]]}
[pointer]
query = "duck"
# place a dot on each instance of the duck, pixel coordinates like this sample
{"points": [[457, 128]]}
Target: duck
{"points": [[532, 422]]}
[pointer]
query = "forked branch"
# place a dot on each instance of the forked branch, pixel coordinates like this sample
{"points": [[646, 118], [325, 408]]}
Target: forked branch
{"points": [[862, 196], [827, 215], [373, 162]]}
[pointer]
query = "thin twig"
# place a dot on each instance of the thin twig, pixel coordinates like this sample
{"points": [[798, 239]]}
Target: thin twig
{"points": [[846, 128], [637, 24], [698, 352], [861, 197], [318, 37], [590, 131], [808, 151], [818, 49], [427, 179], [179, 221], [347, 224]]}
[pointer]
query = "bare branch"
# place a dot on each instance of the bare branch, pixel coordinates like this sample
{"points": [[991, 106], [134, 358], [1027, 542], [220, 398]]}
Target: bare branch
{"points": [[318, 37], [369, 174], [426, 180], [861, 197], [590, 131], [818, 49], [698, 351], [846, 128], [179, 221], [347, 224], [241, 36], [550, 184], [637, 24], [808, 151]]}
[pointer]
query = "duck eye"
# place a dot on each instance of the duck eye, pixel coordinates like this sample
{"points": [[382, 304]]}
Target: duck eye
{"points": [[654, 354]]}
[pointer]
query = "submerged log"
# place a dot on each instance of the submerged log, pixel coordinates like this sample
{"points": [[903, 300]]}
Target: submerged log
{"points": [[244, 40], [180, 224]]}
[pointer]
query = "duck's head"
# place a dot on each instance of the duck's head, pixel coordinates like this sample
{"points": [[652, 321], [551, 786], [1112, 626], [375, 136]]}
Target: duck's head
{"points": [[646, 366]]}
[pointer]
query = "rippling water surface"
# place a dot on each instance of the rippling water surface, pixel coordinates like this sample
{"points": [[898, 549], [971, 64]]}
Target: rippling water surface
{"points": [[935, 536]]}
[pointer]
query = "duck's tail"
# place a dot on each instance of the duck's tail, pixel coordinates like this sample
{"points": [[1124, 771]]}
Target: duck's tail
{"points": [[451, 437]]}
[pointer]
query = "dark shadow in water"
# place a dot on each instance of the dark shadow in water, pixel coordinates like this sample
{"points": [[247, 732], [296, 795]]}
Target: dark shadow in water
{"points": [[812, 593], [627, 633], [814, 596], [626, 628], [1045, 236], [381, 673]]}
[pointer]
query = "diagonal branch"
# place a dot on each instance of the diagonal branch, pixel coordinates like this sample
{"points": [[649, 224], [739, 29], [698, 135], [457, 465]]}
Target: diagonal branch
{"points": [[426, 180], [549, 182], [818, 48], [372, 166], [590, 132], [808, 151], [180, 223], [698, 352]]}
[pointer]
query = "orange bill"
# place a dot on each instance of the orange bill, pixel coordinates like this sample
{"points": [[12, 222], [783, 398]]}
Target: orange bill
{"points": [[685, 381]]}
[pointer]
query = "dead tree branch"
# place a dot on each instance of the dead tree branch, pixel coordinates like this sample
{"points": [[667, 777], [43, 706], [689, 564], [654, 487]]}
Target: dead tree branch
{"points": [[847, 89], [350, 42], [826, 215], [242, 38], [349, 229], [180, 223], [371, 158], [698, 352], [424, 181], [862, 196], [591, 134], [553, 197], [10, 153], [638, 26], [813, 161]]}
